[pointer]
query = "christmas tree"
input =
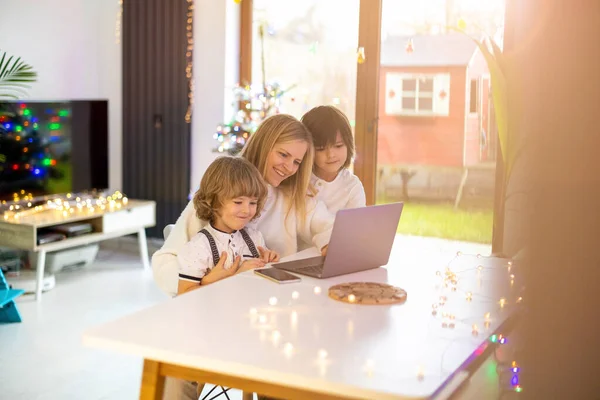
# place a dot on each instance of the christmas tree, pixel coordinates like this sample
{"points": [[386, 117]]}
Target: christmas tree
{"points": [[255, 102]]}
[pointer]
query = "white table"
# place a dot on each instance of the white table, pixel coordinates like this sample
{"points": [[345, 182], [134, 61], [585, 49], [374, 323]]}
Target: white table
{"points": [[310, 346]]}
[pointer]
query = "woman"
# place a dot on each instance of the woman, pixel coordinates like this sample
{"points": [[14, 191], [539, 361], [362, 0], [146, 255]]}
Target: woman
{"points": [[282, 150]]}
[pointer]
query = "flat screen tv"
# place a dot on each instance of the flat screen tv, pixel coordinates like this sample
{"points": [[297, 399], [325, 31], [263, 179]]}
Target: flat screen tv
{"points": [[50, 147]]}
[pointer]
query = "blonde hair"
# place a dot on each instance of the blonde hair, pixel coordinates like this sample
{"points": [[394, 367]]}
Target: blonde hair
{"points": [[225, 179], [278, 129]]}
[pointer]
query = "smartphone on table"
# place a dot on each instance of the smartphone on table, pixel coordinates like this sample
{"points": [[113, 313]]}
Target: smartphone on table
{"points": [[276, 275]]}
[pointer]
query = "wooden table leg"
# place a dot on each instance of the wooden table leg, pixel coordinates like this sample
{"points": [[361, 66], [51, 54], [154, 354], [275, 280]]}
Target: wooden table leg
{"points": [[153, 384]]}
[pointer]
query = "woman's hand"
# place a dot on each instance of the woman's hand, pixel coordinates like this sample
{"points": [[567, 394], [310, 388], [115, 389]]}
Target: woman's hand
{"points": [[324, 250], [252, 263], [268, 255], [219, 272]]}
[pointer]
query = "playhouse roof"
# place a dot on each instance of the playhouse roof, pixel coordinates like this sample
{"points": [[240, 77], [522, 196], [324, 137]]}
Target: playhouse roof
{"points": [[454, 49]]}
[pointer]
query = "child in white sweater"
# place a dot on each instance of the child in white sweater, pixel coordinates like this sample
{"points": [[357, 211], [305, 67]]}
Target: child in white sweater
{"points": [[232, 193], [333, 182]]}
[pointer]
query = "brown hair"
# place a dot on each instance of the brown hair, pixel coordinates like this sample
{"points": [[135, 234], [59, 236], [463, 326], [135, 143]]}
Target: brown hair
{"points": [[283, 128], [324, 122], [225, 179]]}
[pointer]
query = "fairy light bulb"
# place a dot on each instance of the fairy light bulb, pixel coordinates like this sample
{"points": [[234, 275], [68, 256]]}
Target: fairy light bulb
{"points": [[275, 336], [369, 367], [420, 373], [288, 349], [273, 301], [469, 296], [295, 295], [317, 289], [322, 354], [502, 302], [294, 319], [262, 319], [351, 298], [474, 330]]}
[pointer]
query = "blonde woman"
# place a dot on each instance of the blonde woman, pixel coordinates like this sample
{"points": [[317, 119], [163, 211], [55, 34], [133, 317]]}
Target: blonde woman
{"points": [[282, 151]]}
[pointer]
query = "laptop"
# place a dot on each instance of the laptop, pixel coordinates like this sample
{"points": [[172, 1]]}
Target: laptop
{"points": [[361, 239]]}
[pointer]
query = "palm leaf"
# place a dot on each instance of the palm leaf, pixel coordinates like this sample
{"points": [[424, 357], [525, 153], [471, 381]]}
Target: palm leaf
{"points": [[15, 77]]}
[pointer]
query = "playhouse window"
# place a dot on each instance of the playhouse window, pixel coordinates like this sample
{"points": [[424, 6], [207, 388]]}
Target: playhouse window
{"points": [[421, 95], [417, 95]]}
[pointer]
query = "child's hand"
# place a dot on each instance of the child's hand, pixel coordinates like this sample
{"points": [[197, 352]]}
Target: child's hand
{"points": [[252, 263], [324, 250], [219, 272], [268, 255]]}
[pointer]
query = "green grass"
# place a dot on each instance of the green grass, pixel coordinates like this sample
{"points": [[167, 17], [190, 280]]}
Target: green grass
{"points": [[442, 221]]}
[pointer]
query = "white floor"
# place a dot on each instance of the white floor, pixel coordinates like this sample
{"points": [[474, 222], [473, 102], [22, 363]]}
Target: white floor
{"points": [[42, 358]]}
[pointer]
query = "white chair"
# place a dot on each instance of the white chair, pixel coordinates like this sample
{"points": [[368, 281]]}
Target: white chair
{"points": [[167, 230]]}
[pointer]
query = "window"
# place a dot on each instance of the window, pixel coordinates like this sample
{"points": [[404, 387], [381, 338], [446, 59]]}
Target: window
{"points": [[308, 51], [425, 95], [474, 96]]}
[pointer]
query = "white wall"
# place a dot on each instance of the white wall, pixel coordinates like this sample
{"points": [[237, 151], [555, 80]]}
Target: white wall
{"points": [[216, 70], [71, 45]]}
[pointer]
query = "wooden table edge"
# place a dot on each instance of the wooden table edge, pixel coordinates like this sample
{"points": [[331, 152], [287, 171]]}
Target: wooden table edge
{"points": [[155, 372]]}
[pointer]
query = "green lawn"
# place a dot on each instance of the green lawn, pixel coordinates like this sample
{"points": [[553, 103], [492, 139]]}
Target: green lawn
{"points": [[441, 220]]}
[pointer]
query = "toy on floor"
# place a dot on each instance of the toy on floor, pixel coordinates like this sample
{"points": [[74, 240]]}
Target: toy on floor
{"points": [[8, 308]]}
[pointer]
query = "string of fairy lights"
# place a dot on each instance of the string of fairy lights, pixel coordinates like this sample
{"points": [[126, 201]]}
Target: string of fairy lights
{"points": [[449, 280], [264, 319], [119, 22], [65, 205], [189, 56]]}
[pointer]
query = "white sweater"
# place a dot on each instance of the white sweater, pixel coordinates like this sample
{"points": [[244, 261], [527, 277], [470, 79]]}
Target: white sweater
{"points": [[345, 191], [278, 237]]}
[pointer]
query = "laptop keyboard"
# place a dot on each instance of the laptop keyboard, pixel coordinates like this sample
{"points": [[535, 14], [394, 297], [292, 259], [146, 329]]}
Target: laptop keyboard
{"points": [[313, 269]]}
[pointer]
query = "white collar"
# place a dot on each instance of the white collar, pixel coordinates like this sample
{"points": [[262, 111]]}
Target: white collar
{"points": [[315, 178], [222, 237]]}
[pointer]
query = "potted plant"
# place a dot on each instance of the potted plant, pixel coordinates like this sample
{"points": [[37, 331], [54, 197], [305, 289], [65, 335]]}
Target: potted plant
{"points": [[15, 76]]}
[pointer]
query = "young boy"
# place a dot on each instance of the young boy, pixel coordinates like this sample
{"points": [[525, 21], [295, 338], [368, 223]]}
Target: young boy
{"points": [[231, 194]]}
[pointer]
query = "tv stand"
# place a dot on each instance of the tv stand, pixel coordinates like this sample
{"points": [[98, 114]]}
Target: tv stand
{"points": [[132, 218]]}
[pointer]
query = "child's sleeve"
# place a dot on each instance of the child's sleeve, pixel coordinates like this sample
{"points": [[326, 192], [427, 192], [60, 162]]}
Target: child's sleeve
{"points": [[319, 224], [195, 259], [357, 197], [164, 261]]}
